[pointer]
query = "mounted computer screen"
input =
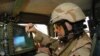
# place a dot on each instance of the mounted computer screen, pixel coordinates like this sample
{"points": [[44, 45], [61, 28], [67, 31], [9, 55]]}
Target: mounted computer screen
{"points": [[19, 41]]}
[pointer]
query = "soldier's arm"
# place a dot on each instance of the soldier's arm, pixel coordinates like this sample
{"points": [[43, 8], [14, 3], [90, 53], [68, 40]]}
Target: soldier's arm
{"points": [[42, 38], [39, 36]]}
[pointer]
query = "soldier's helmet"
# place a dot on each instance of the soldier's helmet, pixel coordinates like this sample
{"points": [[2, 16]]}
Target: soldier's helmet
{"points": [[67, 11]]}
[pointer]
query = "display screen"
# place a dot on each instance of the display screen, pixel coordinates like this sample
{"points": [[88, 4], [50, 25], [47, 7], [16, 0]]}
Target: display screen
{"points": [[22, 42], [19, 41]]}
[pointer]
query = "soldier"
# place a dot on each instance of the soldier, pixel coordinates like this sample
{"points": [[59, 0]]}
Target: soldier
{"points": [[67, 19]]}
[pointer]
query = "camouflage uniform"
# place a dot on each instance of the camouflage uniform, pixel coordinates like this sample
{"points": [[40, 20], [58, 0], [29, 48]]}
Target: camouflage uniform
{"points": [[77, 47]]}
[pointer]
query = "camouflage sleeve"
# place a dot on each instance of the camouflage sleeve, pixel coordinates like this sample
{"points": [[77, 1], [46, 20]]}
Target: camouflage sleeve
{"points": [[45, 40], [42, 38]]}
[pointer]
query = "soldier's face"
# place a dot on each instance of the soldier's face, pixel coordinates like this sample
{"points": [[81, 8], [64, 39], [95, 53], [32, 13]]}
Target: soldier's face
{"points": [[59, 30]]}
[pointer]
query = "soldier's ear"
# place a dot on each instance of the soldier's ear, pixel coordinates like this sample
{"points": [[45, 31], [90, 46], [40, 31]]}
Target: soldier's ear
{"points": [[68, 26]]}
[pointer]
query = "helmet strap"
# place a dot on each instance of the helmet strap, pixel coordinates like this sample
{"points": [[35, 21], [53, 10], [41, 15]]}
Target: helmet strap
{"points": [[66, 37]]}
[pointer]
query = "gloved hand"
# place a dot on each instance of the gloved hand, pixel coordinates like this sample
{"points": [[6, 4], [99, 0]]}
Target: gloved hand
{"points": [[30, 28]]}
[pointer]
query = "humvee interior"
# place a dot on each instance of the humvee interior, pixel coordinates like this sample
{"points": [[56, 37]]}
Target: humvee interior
{"points": [[13, 12]]}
